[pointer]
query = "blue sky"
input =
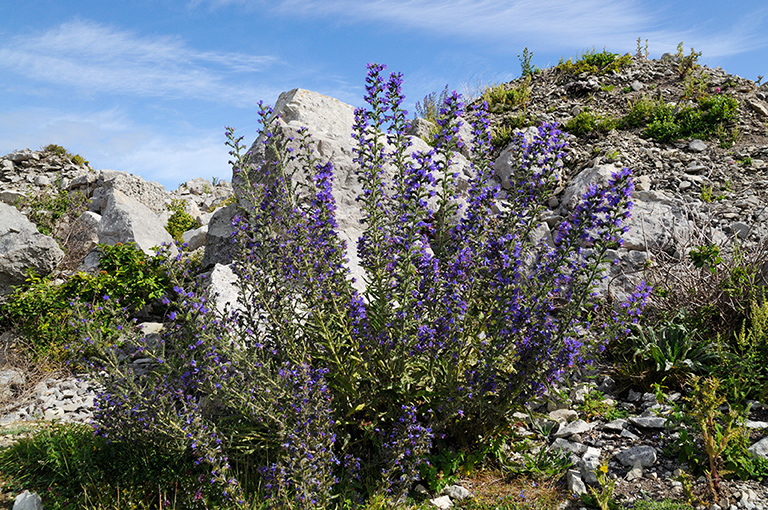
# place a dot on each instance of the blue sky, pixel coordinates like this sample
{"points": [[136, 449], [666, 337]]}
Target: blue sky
{"points": [[147, 86]]}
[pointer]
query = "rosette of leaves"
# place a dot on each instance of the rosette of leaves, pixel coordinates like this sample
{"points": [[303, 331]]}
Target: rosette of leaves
{"points": [[666, 354]]}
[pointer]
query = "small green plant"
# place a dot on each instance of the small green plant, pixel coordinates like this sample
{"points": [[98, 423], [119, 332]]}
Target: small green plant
{"points": [[667, 504], [612, 155], [744, 368], [180, 221], [695, 85], [66, 462], [686, 63], [526, 68], [759, 79], [708, 194], [595, 406], [56, 149], [642, 51], [704, 407], [47, 312], [501, 99], [603, 495], [627, 89], [746, 161], [587, 123], [666, 353], [706, 256], [61, 151], [503, 134], [607, 88]]}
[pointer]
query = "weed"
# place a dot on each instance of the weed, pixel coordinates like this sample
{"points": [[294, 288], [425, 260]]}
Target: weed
{"points": [[667, 504], [708, 194], [501, 99], [603, 495], [705, 403], [587, 123], [527, 70], [52, 212], [642, 51], [180, 220], [686, 64]]}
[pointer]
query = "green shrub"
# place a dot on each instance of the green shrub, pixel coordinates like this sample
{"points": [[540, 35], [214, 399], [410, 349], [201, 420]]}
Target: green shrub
{"points": [[47, 312], [61, 151], [49, 211], [587, 123], [56, 149], [593, 62], [744, 369], [180, 221]]}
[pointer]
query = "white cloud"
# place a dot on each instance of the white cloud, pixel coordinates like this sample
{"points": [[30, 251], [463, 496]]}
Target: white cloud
{"points": [[546, 24], [97, 58]]}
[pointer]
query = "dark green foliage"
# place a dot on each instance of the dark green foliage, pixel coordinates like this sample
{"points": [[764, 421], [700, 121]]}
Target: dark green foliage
{"points": [[667, 353], [180, 221], [77, 159], [67, 463]]}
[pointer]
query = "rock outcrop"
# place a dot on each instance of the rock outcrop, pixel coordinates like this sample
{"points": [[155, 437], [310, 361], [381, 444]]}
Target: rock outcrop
{"points": [[23, 248]]}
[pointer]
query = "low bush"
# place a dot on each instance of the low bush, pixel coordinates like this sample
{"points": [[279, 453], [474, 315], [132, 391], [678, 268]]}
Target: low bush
{"points": [[597, 63], [587, 123], [180, 220], [664, 123], [70, 467], [47, 313], [500, 98]]}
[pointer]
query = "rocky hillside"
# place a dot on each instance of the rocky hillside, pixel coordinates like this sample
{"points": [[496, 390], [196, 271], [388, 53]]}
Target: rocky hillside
{"points": [[696, 139], [722, 178]]}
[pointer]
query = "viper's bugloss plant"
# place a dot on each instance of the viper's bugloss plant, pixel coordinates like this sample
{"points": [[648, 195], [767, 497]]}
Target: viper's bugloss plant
{"points": [[315, 390]]}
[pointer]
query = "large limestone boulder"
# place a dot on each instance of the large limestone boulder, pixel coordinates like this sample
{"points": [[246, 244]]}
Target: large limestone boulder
{"points": [[22, 247], [330, 123], [150, 194], [126, 220]]}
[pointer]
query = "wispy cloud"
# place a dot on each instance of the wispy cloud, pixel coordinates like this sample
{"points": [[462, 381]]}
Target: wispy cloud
{"points": [[96, 58], [551, 24]]}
